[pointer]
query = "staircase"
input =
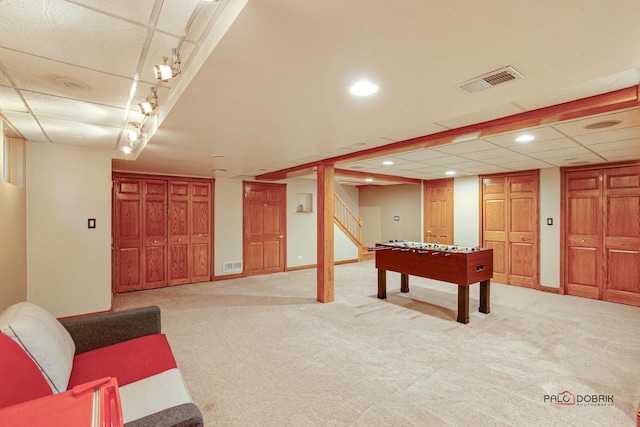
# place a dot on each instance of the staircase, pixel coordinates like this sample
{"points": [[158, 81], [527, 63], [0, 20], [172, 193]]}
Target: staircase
{"points": [[348, 223]]}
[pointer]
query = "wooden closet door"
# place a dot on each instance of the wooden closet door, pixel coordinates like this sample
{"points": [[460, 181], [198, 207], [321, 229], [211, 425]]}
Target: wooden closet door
{"points": [[494, 225], [200, 208], [179, 233], [621, 217], [127, 235], [583, 254], [523, 230], [438, 211], [155, 233]]}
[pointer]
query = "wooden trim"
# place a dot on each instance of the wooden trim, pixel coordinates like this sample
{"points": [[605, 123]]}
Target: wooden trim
{"points": [[563, 231], [115, 174], [606, 102], [599, 166], [345, 261], [227, 277], [301, 267], [549, 289], [326, 210], [376, 176]]}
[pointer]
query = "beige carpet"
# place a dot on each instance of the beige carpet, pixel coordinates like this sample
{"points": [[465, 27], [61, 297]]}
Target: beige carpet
{"points": [[260, 351]]}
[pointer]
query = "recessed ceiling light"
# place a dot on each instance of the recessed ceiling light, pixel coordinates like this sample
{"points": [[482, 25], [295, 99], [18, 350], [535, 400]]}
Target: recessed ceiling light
{"points": [[450, 172], [218, 156], [525, 138], [127, 149], [604, 124], [357, 167], [387, 163], [363, 88], [369, 179]]}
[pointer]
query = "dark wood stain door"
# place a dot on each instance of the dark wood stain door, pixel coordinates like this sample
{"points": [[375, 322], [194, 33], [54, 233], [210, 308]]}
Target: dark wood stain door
{"points": [[510, 226], [438, 211], [264, 218]]}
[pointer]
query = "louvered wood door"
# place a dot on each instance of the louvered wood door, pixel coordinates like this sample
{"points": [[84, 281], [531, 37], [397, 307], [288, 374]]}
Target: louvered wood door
{"points": [[127, 235], [179, 267], [200, 209], [438, 211], [155, 233]]}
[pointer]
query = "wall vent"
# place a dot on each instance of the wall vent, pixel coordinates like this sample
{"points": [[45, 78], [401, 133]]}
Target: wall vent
{"points": [[231, 266], [490, 80]]}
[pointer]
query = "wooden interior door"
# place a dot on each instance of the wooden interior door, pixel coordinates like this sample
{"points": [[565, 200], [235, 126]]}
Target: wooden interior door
{"points": [[127, 235], [523, 230], [621, 218], [200, 208], [494, 224], [438, 211], [179, 233], [510, 224], [583, 225], [155, 233], [264, 218]]}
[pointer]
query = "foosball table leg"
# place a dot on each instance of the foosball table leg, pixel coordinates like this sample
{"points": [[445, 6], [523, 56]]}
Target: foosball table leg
{"points": [[382, 283], [404, 283], [484, 296], [463, 304]]}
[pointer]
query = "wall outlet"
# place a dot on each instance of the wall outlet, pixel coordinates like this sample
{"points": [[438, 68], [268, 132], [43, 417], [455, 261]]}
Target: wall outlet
{"points": [[299, 256]]}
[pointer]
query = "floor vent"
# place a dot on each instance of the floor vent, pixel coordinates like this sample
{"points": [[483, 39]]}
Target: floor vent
{"points": [[490, 80], [230, 266]]}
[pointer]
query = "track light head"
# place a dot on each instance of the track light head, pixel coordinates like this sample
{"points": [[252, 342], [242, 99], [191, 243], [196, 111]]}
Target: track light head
{"points": [[165, 72]]}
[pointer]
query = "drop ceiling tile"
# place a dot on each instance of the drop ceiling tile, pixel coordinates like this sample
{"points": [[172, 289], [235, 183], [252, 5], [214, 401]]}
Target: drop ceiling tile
{"points": [[527, 164], [421, 155], [10, 101], [609, 135], [632, 144], [26, 124], [540, 147], [407, 166], [81, 134], [487, 169], [574, 159], [58, 30], [540, 133], [489, 154], [508, 159], [561, 153], [465, 147], [72, 110], [627, 118], [39, 75], [125, 9], [630, 153], [202, 20]]}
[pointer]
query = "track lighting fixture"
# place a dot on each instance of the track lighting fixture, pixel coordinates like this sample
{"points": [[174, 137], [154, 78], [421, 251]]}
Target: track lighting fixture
{"points": [[165, 72], [150, 104], [134, 138]]}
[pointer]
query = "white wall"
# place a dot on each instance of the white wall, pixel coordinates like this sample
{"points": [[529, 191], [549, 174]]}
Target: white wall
{"points": [[466, 211], [228, 223], [13, 238], [68, 265], [550, 234]]}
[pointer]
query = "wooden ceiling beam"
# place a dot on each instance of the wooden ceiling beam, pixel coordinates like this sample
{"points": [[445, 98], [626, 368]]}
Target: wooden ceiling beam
{"points": [[376, 176], [598, 104]]}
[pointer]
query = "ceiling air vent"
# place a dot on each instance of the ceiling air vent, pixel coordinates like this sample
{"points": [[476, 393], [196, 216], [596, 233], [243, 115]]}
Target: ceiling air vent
{"points": [[491, 79]]}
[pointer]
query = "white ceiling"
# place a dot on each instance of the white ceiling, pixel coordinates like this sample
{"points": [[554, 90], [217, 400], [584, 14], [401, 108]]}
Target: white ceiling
{"points": [[265, 84]]}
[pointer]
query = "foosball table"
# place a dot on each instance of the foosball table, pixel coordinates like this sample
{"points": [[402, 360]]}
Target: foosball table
{"points": [[460, 265]]}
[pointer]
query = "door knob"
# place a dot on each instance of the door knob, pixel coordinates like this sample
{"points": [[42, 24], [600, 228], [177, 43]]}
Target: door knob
{"points": [[521, 237], [581, 240], [281, 236], [179, 240]]}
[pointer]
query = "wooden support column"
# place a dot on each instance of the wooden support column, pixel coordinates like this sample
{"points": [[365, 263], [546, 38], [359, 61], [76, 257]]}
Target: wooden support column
{"points": [[325, 175]]}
